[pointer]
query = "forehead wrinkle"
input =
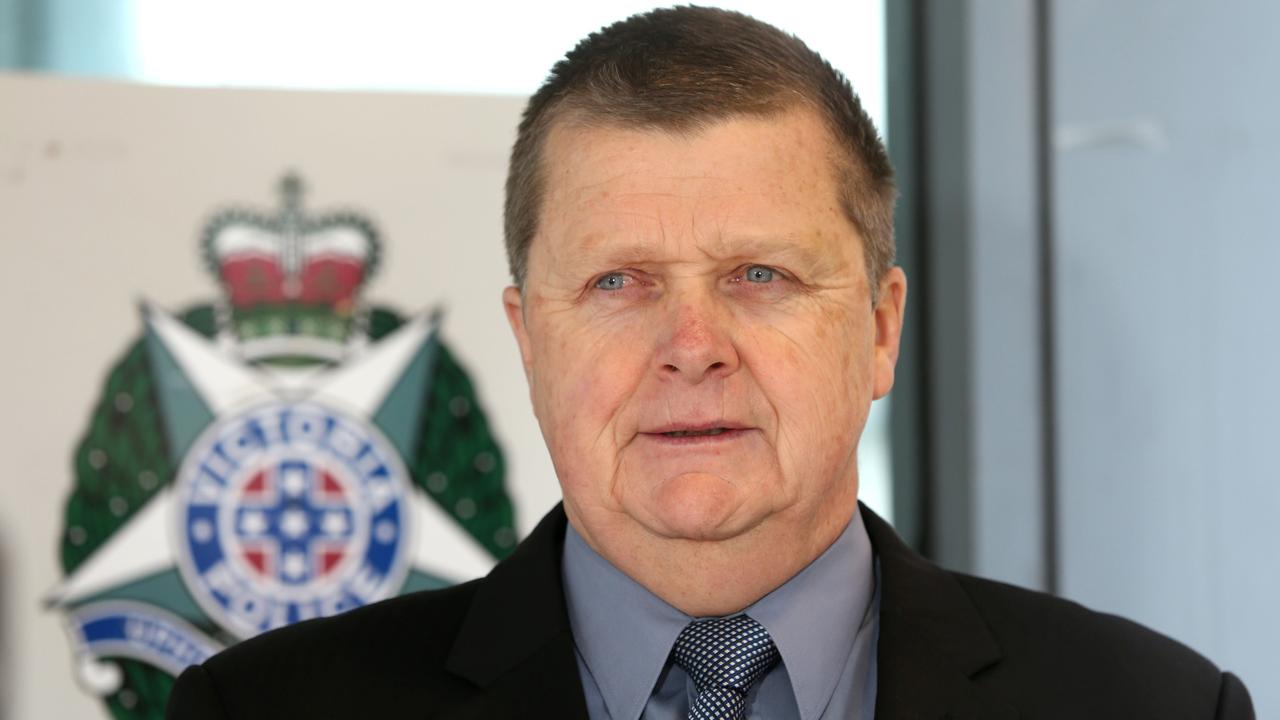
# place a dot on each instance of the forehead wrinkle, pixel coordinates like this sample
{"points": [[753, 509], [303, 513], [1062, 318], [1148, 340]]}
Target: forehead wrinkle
{"points": [[619, 187], [609, 197], [645, 239], [586, 235]]}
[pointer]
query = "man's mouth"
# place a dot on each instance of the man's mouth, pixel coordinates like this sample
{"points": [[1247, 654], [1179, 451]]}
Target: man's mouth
{"points": [[688, 433], [698, 434]]}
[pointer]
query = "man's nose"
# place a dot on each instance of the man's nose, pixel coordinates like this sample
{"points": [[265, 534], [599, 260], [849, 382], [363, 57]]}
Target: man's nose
{"points": [[697, 341]]}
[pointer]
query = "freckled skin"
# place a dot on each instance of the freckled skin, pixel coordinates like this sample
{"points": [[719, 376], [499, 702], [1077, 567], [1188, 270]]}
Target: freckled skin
{"points": [[699, 278]]}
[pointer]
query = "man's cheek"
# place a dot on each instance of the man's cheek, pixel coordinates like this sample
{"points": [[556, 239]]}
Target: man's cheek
{"points": [[778, 361], [603, 365], [586, 395], [593, 393]]}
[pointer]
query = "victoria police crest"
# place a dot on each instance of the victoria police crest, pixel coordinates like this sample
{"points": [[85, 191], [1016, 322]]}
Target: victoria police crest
{"points": [[283, 453]]}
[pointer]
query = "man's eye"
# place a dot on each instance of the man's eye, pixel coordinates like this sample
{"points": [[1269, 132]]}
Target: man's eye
{"points": [[612, 281], [759, 274]]}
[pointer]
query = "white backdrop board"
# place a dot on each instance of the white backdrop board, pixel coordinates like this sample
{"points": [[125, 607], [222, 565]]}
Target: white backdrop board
{"points": [[104, 189]]}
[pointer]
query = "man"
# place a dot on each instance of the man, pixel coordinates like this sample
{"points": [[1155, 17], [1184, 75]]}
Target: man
{"points": [[699, 227]]}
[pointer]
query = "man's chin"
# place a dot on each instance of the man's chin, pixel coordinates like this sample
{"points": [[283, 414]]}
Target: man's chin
{"points": [[698, 506]]}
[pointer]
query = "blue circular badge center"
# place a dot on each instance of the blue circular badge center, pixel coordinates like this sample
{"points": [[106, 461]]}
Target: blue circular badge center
{"points": [[288, 512]]}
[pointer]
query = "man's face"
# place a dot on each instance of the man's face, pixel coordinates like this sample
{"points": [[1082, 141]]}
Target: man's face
{"points": [[697, 330]]}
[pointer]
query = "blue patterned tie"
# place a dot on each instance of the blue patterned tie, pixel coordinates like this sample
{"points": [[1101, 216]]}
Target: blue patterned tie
{"points": [[725, 657]]}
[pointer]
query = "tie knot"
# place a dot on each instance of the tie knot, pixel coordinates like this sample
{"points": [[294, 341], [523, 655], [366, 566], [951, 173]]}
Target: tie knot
{"points": [[725, 653]]}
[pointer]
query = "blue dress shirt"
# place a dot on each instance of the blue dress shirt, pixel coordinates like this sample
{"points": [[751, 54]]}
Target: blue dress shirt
{"points": [[825, 622]]}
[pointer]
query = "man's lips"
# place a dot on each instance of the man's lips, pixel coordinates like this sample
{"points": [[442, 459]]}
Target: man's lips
{"points": [[697, 433]]}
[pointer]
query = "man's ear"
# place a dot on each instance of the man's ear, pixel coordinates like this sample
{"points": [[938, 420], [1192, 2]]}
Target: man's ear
{"points": [[891, 303], [513, 304]]}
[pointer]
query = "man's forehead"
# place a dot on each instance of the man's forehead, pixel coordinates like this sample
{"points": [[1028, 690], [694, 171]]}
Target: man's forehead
{"points": [[612, 222], [579, 145], [762, 188]]}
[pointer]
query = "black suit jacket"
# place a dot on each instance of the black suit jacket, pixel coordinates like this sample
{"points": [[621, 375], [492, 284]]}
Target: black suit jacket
{"points": [[951, 646]]}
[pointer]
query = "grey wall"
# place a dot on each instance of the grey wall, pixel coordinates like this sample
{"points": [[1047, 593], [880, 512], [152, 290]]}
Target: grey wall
{"points": [[1166, 131], [1093, 183], [976, 286]]}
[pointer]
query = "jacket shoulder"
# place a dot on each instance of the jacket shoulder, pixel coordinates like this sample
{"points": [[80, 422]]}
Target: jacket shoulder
{"points": [[393, 651], [1059, 654]]}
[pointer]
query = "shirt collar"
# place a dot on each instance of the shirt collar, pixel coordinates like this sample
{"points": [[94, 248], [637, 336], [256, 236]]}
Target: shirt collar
{"points": [[815, 616], [625, 633]]}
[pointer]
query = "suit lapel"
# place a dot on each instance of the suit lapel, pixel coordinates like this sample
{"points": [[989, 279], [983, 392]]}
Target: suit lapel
{"points": [[516, 646], [515, 643], [932, 641]]}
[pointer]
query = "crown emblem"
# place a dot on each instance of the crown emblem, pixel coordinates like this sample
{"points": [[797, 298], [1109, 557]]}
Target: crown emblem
{"points": [[291, 281]]}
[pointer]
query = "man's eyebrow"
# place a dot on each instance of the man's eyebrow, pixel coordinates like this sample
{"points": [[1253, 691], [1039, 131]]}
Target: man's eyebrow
{"points": [[599, 253], [787, 250]]}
